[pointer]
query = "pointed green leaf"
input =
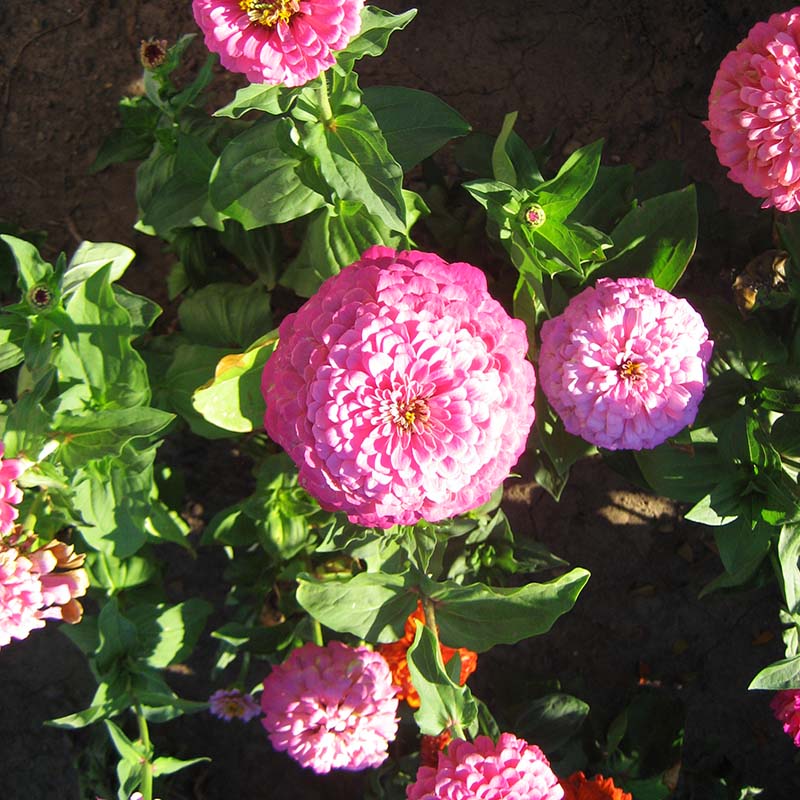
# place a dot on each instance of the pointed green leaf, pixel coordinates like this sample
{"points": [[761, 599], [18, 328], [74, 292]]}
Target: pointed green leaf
{"points": [[377, 26]]}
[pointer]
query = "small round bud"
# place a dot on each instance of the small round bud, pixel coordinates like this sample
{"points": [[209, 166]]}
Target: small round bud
{"points": [[153, 52], [535, 216], [41, 297]]}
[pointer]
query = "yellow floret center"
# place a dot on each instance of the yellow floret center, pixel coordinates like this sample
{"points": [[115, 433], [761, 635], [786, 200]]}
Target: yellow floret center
{"points": [[631, 370], [269, 12]]}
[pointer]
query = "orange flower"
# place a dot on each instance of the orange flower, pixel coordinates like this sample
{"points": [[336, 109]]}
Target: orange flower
{"points": [[579, 787], [395, 655], [431, 746]]}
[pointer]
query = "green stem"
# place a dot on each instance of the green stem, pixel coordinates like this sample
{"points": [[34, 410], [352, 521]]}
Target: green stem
{"points": [[318, 638], [147, 766], [456, 731], [325, 102], [429, 610]]}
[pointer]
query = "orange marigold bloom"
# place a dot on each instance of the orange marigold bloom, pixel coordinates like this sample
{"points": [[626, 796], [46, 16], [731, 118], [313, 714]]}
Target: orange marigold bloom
{"points": [[579, 787], [395, 655]]}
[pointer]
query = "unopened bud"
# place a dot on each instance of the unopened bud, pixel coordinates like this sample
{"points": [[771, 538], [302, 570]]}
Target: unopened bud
{"points": [[153, 52]]}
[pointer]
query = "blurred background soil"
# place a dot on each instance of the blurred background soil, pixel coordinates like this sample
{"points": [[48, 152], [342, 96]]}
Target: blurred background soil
{"points": [[636, 74]]}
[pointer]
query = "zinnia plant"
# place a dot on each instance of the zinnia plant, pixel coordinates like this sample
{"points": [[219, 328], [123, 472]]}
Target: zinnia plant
{"points": [[786, 707], [401, 390], [752, 111], [625, 365], [331, 707], [285, 42]]}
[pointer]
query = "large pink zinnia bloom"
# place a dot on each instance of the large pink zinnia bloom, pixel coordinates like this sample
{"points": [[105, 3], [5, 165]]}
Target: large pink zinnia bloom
{"points": [[401, 390], [32, 591], [753, 111], [10, 494], [625, 365], [278, 41], [331, 707], [512, 769], [786, 707]]}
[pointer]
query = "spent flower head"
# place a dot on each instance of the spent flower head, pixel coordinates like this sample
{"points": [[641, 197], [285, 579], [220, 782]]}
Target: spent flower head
{"points": [[752, 111], [331, 707], [286, 42], [401, 390], [625, 365]]}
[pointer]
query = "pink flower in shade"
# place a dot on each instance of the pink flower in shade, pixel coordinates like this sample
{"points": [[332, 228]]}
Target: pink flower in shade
{"points": [[278, 41], [331, 707], [625, 365], [786, 707], [10, 494], [401, 390], [231, 704], [512, 769], [753, 111], [32, 591]]}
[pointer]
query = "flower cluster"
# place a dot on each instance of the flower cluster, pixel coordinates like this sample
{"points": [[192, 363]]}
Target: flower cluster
{"points": [[231, 704], [396, 652], [625, 365], [579, 787], [39, 585], [401, 390], [286, 42], [331, 707], [752, 111], [786, 707], [512, 769], [10, 494]]}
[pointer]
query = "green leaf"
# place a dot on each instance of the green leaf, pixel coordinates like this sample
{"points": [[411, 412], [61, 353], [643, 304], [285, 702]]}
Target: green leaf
{"points": [[377, 26], [274, 100], [742, 545], [256, 180], [258, 640], [142, 311], [232, 399], [183, 200], [443, 703], [372, 605], [91, 257], [168, 634], [608, 199], [788, 555], [133, 753], [31, 267], [357, 165], [134, 140], [110, 699], [551, 721], [785, 435], [720, 507], [502, 165], [560, 195], [226, 315], [117, 636], [115, 574], [656, 239], [104, 433], [781, 675], [414, 123], [478, 617], [165, 765]]}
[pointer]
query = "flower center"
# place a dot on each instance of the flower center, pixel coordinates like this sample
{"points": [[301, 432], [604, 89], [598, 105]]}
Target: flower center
{"points": [[270, 12], [535, 216], [631, 370], [410, 414]]}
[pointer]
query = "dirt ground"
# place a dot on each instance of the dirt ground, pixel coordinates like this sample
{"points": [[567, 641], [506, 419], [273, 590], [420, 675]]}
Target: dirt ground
{"points": [[637, 74]]}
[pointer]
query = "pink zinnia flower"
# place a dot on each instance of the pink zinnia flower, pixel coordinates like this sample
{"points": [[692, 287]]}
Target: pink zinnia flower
{"points": [[753, 111], [278, 41], [512, 769], [786, 707], [401, 390], [10, 494], [331, 707], [231, 704], [32, 591], [625, 365]]}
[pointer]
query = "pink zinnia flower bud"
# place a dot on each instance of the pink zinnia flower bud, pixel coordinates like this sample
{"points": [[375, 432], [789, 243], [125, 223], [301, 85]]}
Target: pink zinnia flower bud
{"points": [[278, 41], [512, 769], [786, 707], [625, 365], [753, 111], [401, 390], [231, 704], [10, 494], [32, 591], [331, 707]]}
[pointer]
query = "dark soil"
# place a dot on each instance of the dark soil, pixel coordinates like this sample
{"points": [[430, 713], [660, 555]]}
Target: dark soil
{"points": [[637, 74]]}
